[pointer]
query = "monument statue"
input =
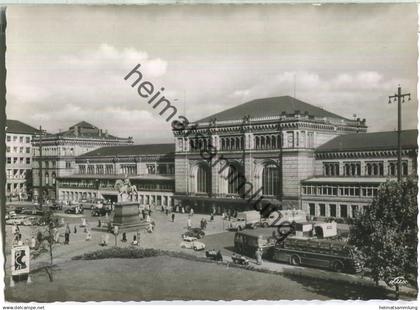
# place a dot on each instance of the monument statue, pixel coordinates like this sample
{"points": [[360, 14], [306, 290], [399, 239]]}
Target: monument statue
{"points": [[125, 189]]}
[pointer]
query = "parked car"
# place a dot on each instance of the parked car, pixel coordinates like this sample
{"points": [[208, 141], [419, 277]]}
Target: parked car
{"points": [[99, 211], [239, 259], [194, 232], [214, 255], [73, 210], [192, 243]]}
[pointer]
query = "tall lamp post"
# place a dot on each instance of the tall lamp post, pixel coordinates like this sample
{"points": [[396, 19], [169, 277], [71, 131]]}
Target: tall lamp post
{"points": [[400, 98]]}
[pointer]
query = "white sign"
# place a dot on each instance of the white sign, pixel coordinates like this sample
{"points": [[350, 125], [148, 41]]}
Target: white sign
{"points": [[20, 260]]}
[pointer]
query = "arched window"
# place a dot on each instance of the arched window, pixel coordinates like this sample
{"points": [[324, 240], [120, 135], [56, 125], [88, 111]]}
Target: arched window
{"points": [[47, 178], [263, 142], [273, 142], [271, 180], [234, 178], [203, 179], [268, 142], [53, 178], [242, 143], [404, 169], [257, 142]]}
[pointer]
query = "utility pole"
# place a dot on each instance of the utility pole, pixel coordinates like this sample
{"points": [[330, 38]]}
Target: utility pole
{"points": [[41, 190], [397, 97]]}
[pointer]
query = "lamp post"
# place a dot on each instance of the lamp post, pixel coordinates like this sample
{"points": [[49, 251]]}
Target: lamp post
{"points": [[397, 97]]}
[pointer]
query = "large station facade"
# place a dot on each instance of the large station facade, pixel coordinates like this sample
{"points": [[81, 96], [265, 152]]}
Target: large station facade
{"points": [[277, 150]]}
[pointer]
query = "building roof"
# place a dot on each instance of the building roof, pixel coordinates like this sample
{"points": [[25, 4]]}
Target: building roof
{"points": [[15, 126], [386, 140], [270, 107], [133, 150], [84, 129]]}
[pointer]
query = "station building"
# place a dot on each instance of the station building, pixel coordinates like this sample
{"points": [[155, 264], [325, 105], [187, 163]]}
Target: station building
{"points": [[150, 168], [60, 150], [272, 142], [349, 169]]}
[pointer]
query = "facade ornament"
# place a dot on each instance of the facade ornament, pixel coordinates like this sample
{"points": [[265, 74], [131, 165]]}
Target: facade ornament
{"points": [[125, 189]]}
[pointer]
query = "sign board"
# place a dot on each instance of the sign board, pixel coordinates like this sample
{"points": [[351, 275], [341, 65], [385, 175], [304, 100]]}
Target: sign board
{"points": [[20, 260]]}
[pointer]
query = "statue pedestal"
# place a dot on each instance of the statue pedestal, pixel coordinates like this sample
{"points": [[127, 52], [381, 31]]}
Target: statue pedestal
{"points": [[126, 216]]}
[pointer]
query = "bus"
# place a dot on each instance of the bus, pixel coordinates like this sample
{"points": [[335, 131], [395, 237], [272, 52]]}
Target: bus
{"points": [[247, 242], [320, 253]]}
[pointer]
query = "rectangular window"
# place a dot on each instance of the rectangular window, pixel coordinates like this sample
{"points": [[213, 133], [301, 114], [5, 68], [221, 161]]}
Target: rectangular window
{"points": [[333, 210], [28, 160], [28, 150], [20, 139], [15, 160], [354, 210], [14, 138], [9, 160], [312, 209], [28, 140], [21, 160], [322, 209], [21, 149], [343, 210], [68, 164], [8, 149], [9, 138]]}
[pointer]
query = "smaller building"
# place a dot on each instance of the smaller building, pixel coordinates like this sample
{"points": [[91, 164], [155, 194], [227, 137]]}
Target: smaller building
{"points": [[19, 159], [149, 167], [59, 151], [350, 168]]}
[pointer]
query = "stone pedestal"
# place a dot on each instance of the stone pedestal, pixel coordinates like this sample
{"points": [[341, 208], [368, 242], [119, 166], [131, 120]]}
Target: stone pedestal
{"points": [[126, 216]]}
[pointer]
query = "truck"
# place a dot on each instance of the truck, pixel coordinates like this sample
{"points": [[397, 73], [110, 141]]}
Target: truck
{"points": [[244, 220], [276, 218]]}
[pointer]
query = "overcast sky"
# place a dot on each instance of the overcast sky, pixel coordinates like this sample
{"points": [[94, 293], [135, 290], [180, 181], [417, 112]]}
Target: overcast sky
{"points": [[66, 64]]}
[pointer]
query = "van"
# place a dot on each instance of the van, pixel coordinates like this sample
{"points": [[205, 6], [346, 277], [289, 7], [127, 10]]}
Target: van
{"points": [[279, 217]]}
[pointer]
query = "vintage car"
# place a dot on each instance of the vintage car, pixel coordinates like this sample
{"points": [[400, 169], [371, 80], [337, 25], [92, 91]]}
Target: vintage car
{"points": [[194, 232], [239, 259], [214, 255], [73, 210], [192, 243]]}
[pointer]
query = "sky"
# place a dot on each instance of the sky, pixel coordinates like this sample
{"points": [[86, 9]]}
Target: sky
{"points": [[66, 64]]}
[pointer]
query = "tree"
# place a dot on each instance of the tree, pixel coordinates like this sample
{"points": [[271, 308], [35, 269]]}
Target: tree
{"points": [[385, 235], [51, 222]]}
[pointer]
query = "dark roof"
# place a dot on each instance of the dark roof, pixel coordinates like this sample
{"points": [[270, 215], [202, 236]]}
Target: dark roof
{"points": [[270, 107], [385, 140], [14, 126], [83, 124], [127, 150]]}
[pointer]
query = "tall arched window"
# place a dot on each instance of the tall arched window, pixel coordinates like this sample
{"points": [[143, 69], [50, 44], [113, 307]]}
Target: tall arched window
{"points": [[53, 178], [235, 179], [47, 178], [203, 179], [271, 180]]}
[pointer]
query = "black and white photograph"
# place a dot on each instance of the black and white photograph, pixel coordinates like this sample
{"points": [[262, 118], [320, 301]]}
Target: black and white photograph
{"points": [[225, 152]]}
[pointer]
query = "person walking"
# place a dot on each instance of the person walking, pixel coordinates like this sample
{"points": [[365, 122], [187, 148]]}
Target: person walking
{"points": [[202, 224], [173, 217], [75, 229], [67, 234], [191, 212], [33, 242], [189, 223], [258, 256]]}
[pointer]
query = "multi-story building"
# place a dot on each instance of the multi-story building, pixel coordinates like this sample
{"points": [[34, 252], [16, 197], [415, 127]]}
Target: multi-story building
{"points": [[348, 170], [60, 150], [268, 143], [150, 168], [19, 159]]}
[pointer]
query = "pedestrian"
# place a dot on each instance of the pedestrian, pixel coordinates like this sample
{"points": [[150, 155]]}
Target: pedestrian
{"points": [[33, 242], [67, 234], [167, 211], [99, 223], [75, 229], [182, 210], [124, 237], [138, 237], [143, 213], [88, 236], [212, 217], [148, 218], [191, 212], [189, 223], [258, 256], [104, 240], [162, 209], [204, 224], [135, 240], [55, 230], [173, 217]]}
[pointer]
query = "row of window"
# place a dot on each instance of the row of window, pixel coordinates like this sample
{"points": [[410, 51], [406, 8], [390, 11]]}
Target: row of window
{"points": [[9, 138], [375, 168], [18, 160], [20, 150], [326, 190], [333, 210], [17, 173], [50, 179], [128, 169]]}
